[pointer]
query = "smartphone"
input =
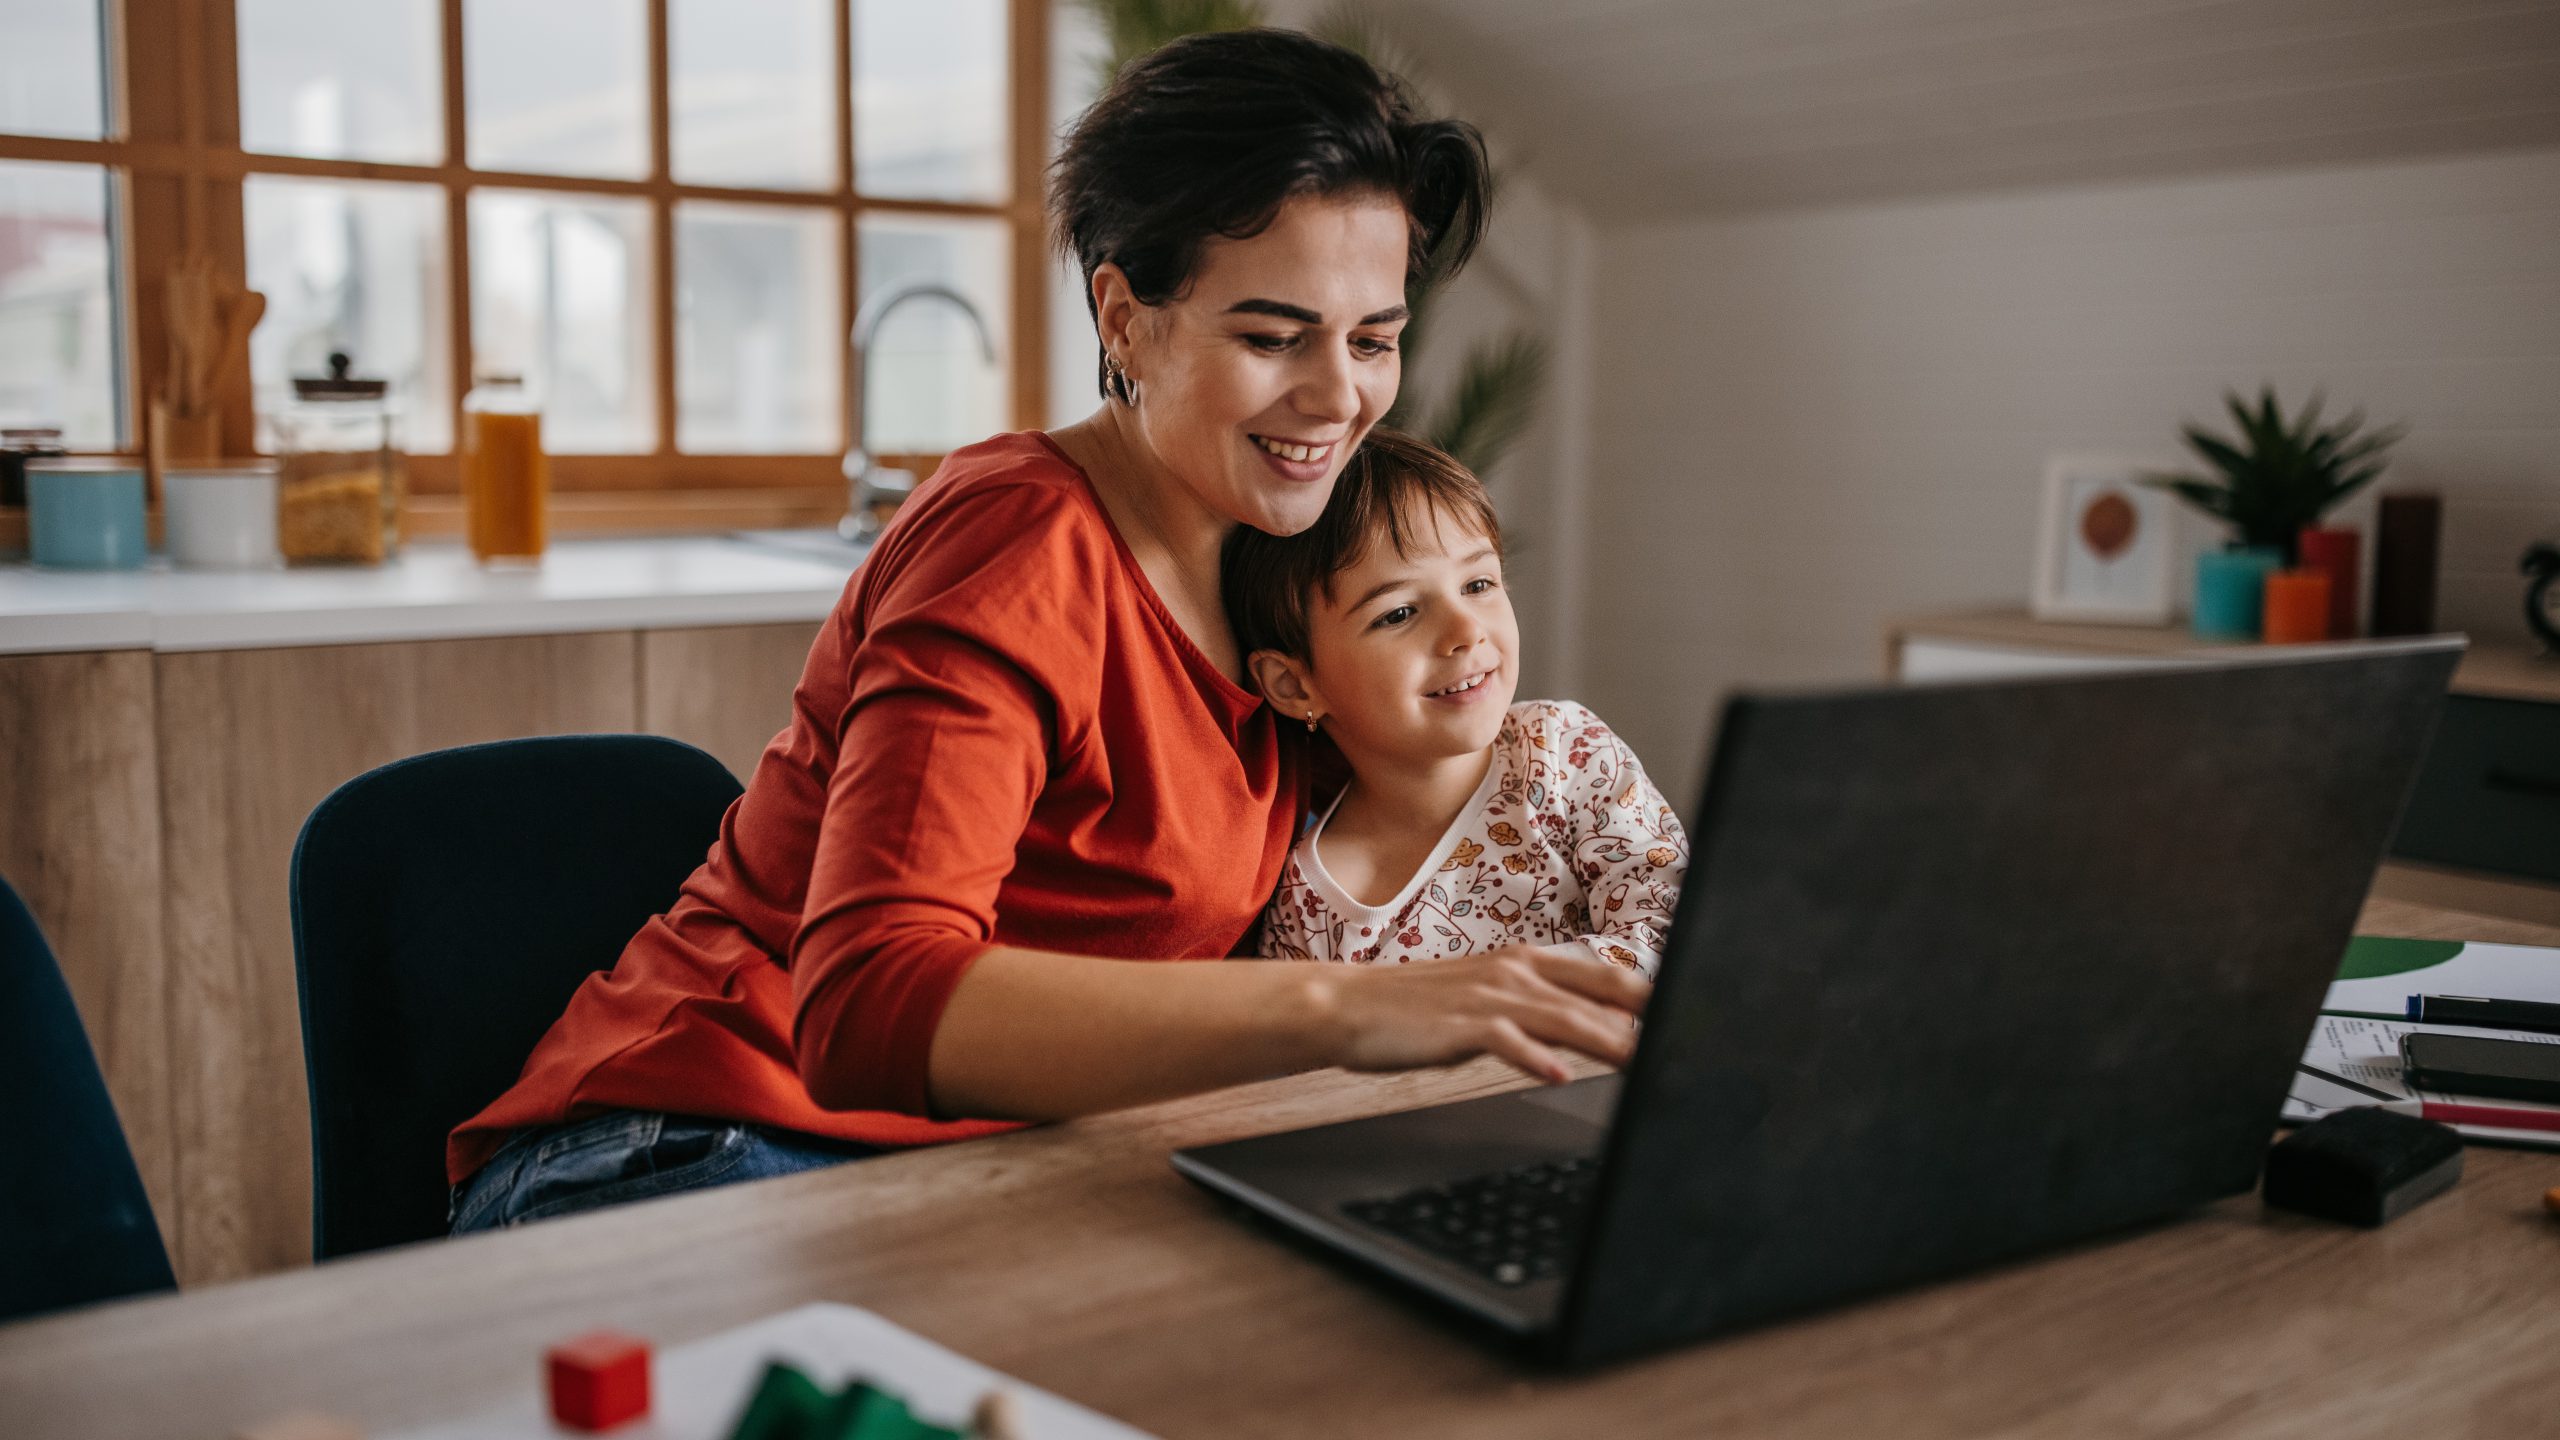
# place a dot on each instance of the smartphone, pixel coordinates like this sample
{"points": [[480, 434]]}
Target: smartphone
{"points": [[2472, 1065]]}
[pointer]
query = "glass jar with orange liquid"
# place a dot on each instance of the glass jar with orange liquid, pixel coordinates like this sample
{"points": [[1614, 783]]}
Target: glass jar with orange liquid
{"points": [[506, 479]]}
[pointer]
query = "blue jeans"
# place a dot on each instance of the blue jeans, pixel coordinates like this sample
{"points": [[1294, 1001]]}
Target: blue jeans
{"points": [[625, 1155]]}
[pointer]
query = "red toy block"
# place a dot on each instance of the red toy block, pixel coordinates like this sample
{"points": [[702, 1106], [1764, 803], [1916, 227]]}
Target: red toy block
{"points": [[599, 1380]]}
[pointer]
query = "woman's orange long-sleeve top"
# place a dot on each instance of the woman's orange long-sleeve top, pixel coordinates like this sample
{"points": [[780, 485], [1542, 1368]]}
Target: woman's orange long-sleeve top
{"points": [[1001, 738]]}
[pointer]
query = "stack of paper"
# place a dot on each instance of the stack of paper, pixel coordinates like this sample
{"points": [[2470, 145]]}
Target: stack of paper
{"points": [[2354, 1055], [2379, 975], [2353, 1061]]}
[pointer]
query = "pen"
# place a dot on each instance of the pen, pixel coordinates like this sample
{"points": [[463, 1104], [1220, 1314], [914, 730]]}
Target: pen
{"points": [[2497, 1116], [2343, 1083], [2492, 1014]]}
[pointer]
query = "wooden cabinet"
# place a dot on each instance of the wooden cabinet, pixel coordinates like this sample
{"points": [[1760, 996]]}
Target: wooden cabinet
{"points": [[154, 803], [2489, 796], [250, 741], [80, 841], [725, 688], [2482, 829]]}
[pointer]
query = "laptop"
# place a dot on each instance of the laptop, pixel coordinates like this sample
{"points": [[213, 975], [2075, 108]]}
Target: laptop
{"points": [[1960, 973]]}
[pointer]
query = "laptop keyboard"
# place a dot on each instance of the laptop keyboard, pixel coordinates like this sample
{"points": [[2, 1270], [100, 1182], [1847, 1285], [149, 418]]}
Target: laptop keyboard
{"points": [[1511, 1227]]}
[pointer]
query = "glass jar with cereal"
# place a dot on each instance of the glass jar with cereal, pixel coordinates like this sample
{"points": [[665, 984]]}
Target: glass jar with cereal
{"points": [[341, 478]]}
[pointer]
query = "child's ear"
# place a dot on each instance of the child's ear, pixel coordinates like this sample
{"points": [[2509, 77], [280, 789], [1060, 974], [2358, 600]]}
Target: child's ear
{"points": [[1285, 682]]}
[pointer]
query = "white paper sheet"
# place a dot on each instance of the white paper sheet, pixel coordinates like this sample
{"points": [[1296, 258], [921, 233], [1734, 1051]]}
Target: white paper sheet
{"points": [[699, 1389], [2503, 972]]}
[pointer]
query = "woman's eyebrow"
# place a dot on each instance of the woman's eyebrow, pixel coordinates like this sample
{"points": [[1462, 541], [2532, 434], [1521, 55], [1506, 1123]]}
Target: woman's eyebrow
{"points": [[1304, 316]]}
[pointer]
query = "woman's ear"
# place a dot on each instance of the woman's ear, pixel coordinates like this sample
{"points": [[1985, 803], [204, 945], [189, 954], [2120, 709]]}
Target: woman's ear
{"points": [[1287, 683], [1115, 310]]}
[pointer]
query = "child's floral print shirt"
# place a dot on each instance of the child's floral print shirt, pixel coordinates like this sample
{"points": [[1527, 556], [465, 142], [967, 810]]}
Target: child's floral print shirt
{"points": [[1565, 843]]}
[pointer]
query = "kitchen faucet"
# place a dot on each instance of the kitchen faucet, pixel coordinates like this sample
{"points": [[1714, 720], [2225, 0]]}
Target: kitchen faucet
{"points": [[875, 491]]}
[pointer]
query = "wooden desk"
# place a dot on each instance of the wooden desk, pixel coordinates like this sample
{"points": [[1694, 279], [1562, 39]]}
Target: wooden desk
{"points": [[1074, 1258]]}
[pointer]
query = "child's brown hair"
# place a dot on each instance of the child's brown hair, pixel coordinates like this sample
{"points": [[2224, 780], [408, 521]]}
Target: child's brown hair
{"points": [[1265, 580]]}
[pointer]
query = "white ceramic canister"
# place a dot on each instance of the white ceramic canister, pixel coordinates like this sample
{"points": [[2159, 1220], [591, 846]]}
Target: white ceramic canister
{"points": [[221, 517]]}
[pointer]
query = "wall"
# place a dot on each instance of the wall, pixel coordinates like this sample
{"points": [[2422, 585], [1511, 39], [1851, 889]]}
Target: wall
{"points": [[1531, 274], [1805, 422]]}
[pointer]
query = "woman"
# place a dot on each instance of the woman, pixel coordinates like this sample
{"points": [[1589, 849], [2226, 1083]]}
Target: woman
{"points": [[1022, 765]]}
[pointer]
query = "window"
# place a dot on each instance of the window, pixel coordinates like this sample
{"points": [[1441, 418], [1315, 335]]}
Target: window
{"points": [[666, 214], [51, 78], [359, 266], [58, 362]]}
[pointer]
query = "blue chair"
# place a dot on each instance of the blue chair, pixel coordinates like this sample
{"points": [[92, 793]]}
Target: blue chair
{"points": [[73, 1214], [445, 907]]}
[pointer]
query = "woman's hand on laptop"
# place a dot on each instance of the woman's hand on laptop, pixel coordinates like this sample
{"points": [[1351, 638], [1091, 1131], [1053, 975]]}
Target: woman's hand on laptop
{"points": [[1522, 1003]]}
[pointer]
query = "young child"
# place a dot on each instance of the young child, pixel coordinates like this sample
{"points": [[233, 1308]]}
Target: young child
{"points": [[1469, 822]]}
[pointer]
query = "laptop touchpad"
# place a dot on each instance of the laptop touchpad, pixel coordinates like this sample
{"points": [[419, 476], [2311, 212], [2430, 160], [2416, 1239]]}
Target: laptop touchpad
{"points": [[1594, 1099]]}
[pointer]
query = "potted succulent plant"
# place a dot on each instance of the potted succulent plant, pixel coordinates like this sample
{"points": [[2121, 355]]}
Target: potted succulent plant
{"points": [[2277, 477]]}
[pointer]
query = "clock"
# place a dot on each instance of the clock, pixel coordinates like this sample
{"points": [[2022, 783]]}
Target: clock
{"points": [[2542, 597]]}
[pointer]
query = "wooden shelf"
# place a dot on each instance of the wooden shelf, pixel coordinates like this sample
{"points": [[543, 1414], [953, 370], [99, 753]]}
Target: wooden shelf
{"points": [[2489, 669]]}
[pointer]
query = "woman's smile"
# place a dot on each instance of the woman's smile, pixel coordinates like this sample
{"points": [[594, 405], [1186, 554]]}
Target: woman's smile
{"points": [[1300, 460]]}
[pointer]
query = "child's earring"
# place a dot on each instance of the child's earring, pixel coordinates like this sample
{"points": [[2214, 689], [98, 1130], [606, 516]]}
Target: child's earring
{"points": [[1311, 722]]}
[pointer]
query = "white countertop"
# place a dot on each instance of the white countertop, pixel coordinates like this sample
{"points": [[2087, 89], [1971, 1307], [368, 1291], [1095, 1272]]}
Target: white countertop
{"points": [[432, 592]]}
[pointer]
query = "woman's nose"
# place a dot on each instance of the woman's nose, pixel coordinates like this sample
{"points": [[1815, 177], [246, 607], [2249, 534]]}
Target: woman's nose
{"points": [[1332, 393]]}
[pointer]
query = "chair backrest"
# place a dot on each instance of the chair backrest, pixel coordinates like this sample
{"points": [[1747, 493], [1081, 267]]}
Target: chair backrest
{"points": [[75, 1222], [445, 907]]}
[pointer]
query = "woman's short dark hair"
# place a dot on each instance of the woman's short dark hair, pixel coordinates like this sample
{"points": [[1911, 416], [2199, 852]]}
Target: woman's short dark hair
{"points": [[1207, 137], [1267, 582]]}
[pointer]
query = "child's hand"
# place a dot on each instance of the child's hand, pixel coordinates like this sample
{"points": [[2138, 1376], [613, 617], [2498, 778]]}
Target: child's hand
{"points": [[1521, 1003]]}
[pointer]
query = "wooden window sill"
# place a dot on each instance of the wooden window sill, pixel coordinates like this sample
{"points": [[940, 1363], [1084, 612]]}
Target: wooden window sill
{"points": [[660, 512], [439, 517]]}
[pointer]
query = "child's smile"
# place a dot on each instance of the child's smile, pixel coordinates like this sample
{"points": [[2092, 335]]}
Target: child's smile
{"points": [[1465, 691], [1414, 657]]}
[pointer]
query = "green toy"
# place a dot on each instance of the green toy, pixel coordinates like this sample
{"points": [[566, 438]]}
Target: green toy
{"points": [[788, 1405]]}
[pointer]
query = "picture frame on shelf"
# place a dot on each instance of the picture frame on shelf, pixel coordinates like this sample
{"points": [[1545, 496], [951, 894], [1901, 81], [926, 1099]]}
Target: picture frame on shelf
{"points": [[2106, 544]]}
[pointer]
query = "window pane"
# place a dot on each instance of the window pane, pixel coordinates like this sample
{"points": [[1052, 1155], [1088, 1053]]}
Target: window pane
{"points": [[58, 363], [760, 357], [930, 385], [929, 98], [755, 86], [50, 79], [560, 296], [358, 266], [356, 82], [1078, 51], [559, 87]]}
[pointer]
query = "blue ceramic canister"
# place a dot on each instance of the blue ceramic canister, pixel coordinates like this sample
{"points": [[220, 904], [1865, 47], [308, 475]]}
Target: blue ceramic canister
{"points": [[2231, 591], [85, 514]]}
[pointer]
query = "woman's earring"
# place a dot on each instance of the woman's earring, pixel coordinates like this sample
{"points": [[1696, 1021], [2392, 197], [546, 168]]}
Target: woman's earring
{"points": [[1115, 379], [1311, 722]]}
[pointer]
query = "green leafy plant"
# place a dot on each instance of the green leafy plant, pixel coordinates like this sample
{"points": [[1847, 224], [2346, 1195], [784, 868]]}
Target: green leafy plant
{"points": [[1494, 399], [1495, 393], [1135, 27], [2279, 475]]}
